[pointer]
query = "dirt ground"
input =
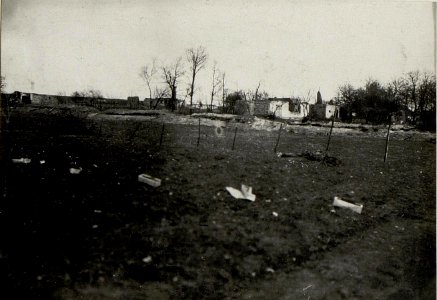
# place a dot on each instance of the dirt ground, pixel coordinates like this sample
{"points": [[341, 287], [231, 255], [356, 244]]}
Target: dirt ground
{"points": [[102, 234]]}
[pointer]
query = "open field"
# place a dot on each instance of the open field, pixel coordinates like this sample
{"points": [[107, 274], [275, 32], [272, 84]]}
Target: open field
{"points": [[101, 234]]}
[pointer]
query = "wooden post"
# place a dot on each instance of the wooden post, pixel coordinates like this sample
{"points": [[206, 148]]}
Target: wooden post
{"points": [[198, 137], [387, 140], [330, 132], [162, 134], [235, 136], [279, 136]]}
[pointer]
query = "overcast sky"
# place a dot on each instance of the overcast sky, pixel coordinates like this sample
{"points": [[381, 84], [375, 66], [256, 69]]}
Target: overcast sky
{"points": [[291, 47]]}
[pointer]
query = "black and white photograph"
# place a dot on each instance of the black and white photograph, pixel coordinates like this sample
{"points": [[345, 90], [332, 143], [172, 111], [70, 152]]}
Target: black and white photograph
{"points": [[206, 149]]}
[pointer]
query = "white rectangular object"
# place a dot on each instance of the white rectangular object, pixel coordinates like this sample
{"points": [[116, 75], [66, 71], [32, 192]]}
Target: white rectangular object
{"points": [[21, 160], [152, 181], [75, 171], [341, 203]]}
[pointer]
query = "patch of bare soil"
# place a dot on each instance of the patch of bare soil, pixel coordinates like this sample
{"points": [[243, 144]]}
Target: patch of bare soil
{"points": [[389, 261]]}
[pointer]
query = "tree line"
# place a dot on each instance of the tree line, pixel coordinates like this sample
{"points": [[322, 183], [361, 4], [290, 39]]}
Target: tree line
{"points": [[171, 75], [411, 97]]}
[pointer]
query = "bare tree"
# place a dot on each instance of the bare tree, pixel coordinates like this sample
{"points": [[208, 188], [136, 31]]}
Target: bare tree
{"points": [[197, 60], [395, 91], [412, 80], [160, 94], [223, 91], [215, 82], [257, 91], [304, 102], [187, 94], [251, 96], [147, 73], [171, 74], [426, 93]]}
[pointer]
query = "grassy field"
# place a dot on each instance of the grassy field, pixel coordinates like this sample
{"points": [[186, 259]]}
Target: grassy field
{"points": [[101, 234]]}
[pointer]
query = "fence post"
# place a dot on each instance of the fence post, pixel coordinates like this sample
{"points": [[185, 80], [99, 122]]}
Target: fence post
{"points": [[162, 134], [330, 132], [235, 136], [198, 136], [279, 136], [387, 139]]}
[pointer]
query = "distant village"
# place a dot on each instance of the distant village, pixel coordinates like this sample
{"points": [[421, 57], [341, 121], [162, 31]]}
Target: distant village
{"points": [[281, 108]]}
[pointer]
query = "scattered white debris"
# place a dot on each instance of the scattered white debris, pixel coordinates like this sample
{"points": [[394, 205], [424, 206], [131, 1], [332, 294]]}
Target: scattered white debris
{"points": [[75, 171], [305, 288], [21, 160], [147, 259], [253, 274], [245, 193], [268, 200], [42, 162], [275, 214], [270, 270], [340, 203], [152, 181], [333, 211], [94, 165], [97, 211], [95, 226]]}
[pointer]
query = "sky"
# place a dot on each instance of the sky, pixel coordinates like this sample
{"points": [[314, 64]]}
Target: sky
{"points": [[291, 48]]}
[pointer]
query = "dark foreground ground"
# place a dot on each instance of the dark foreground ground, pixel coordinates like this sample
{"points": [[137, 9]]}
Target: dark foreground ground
{"points": [[101, 234]]}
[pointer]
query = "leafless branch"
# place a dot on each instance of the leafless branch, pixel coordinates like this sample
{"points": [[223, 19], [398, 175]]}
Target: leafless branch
{"points": [[147, 73], [197, 59], [215, 82]]}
